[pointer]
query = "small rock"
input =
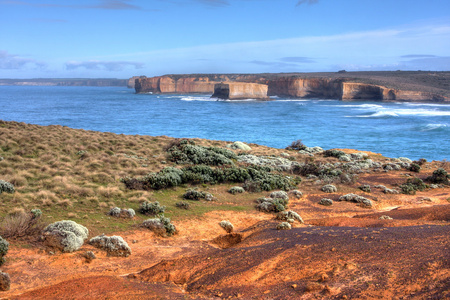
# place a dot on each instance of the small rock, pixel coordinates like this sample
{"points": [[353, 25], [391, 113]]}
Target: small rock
{"points": [[294, 286]]}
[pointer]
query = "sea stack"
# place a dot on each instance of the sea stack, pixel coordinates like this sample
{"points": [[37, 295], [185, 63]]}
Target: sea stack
{"points": [[240, 90]]}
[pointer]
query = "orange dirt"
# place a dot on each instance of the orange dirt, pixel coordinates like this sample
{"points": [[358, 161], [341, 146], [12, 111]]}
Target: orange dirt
{"points": [[341, 252]]}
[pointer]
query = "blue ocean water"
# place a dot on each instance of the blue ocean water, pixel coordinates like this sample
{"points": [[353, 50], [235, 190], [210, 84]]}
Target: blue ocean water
{"points": [[411, 130]]}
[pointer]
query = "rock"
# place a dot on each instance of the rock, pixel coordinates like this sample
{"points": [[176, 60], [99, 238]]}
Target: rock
{"points": [[240, 90], [113, 245], [66, 236], [5, 281], [239, 146]]}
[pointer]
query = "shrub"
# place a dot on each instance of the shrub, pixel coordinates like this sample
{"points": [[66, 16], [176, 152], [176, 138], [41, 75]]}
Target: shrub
{"points": [[326, 202], [22, 224], [364, 202], [194, 194], [284, 226], [113, 245], [227, 226], [189, 153], [333, 153], [122, 212], [5, 281], [6, 187], [151, 208], [296, 145], [412, 185], [384, 217], [329, 188], [271, 204], [160, 226], [289, 215], [279, 194], [66, 235], [4, 246], [296, 194], [365, 188], [239, 146], [414, 168], [183, 205], [439, 176], [236, 190], [420, 161]]}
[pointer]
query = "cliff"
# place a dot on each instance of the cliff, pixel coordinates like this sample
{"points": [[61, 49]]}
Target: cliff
{"points": [[240, 90], [379, 86]]}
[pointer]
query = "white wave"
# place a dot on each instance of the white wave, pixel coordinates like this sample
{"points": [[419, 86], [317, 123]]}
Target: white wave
{"points": [[197, 98], [380, 114], [421, 112], [430, 127], [423, 104]]}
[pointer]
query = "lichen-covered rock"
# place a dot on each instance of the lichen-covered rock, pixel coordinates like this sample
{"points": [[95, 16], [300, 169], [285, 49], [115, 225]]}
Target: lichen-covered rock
{"points": [[239, 146], [113, 245], [326, 202], [66, 236], [329, 188], [5, 281], [279, 194]]}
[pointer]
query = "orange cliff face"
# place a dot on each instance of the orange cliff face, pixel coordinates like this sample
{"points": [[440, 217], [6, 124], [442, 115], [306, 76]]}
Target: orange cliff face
{"points": [[284, 86], [240, 90]]}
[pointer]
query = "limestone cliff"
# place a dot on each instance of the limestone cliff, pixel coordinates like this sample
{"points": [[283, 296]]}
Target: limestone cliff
{"points": [[240, 90], [343, 86]]}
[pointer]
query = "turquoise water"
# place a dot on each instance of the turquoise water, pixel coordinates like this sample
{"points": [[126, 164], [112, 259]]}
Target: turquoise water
{"points": [[392, 129]]}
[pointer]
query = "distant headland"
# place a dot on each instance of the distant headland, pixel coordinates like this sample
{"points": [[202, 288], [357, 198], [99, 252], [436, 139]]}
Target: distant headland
{"points": [[420, 86], [65, 82]]}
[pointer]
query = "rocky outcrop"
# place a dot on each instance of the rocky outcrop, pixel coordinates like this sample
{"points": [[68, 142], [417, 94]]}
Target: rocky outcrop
{"points": [[132, 81], [343, 86], [240, 90]]}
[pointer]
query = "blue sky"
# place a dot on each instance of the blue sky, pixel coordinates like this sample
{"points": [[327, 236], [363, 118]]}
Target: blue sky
{"points": [[122, 38]]}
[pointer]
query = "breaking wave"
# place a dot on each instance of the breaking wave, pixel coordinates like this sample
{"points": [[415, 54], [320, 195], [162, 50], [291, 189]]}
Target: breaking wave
{"points": [[433, 127]]}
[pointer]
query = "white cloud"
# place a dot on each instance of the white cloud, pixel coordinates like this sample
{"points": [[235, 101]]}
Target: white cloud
{"points": [[103, 65], [12, 61]]}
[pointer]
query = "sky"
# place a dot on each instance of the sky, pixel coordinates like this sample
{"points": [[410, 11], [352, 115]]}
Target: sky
{"points": [[124, 38]]}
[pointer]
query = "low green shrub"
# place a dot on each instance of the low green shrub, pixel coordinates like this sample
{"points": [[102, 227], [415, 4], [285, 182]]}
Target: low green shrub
{"points": [[333, 153], [189, 153], [183, 205], [439, 176], [365, 188], [65, 235], [284, 226], [412, 185], [296, 145], [289, 215], [329, 188], [236, 190], [113, 245], [4, 246], [414, 167], [271, 204], [151, 208], [326, 202], [6, 187], [194, 194], [161, 226], [364, 202]]}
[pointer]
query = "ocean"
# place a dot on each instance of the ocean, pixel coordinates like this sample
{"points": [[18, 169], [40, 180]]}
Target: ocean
{"points": [[413, 130]]}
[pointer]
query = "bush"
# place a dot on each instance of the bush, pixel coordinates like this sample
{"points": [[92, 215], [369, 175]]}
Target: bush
{"points": [[413, 185], [296, 145], [236, 190], [151, 208], [189, 153], [414, 167], [22, 224], [289, 215], [329, 188], [279, 194], [296, 194], [333, 153], [326, 202], [5, 281], [227, 226], [194, 194], [183, 205], [365, 188], [271, 204], [160, 226], [440, 176], [122, 212], [66, 235], [364, 202], [6, 187], [113, 245], [420, 161], [4, 246], [284, 226]]}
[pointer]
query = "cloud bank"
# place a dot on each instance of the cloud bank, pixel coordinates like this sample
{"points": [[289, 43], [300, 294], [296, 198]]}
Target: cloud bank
{"points": [[112, 66], [15, 62]]}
